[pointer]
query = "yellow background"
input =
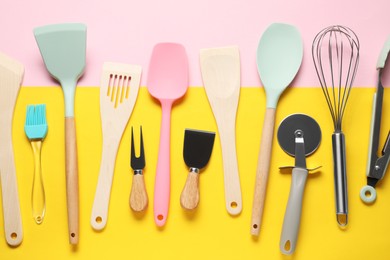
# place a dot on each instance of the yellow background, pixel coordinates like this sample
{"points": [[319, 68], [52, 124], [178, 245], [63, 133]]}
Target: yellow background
{"points": [[208, 233]]}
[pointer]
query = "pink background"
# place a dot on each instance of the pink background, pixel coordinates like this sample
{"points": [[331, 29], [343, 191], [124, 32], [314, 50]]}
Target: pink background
{"points": [[126, 31]]}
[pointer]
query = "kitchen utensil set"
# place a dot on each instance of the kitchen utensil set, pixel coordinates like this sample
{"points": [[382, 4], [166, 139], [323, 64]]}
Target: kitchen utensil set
{"points": [[336, 58], [335, 53], [377, 165]]}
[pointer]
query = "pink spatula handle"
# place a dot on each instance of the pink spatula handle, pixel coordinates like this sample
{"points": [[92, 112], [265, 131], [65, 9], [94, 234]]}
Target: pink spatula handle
{"points": [[163, 180]]}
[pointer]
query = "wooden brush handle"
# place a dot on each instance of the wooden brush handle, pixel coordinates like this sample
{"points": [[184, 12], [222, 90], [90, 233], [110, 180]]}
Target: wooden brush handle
{"points": [[262, 170], [72, 182], [189, 198], [138, 196]]}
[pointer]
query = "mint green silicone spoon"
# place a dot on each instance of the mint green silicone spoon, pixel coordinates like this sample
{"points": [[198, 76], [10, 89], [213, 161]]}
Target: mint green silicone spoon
{"points": [[279, 56]]}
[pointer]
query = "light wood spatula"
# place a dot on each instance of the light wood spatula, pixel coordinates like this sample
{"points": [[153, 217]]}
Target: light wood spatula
{"points": [[11, 75], [119, 87], [221, 78]]}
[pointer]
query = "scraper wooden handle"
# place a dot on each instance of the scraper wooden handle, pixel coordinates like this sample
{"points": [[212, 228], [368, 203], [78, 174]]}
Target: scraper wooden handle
{"points": [[262, 170], [189, 198], [72, 182]]}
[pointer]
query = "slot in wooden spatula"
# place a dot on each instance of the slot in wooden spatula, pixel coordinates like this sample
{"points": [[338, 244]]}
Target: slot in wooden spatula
{"points": [[11, 75]]}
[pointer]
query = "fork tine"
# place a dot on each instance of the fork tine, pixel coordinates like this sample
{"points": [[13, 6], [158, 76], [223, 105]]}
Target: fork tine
{"points": [[141, 154], [132, 147]]}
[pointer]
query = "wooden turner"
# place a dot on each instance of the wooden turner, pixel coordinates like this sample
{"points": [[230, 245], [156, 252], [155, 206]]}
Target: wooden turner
{"points": [[119, 87], [11, 75], [221, 77]]}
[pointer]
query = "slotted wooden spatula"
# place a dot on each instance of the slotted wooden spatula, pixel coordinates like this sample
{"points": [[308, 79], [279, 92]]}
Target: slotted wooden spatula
{"points": [[119, 87], [221, 78], [11, 75]]}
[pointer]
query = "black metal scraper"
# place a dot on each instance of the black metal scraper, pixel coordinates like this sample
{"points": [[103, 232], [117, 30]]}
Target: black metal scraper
{"points": [[198, 146]]}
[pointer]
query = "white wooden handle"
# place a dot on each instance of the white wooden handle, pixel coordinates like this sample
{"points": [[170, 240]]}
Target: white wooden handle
{"points": [[103, 189], [11, 209], [227, 135], [262, 170]]}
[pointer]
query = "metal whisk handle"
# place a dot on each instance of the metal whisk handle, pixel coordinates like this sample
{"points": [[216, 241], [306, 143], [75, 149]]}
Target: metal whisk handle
{"points": [[340, 178]]}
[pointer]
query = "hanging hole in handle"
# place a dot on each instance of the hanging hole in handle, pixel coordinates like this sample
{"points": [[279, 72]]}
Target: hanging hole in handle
{"points": [[38, 219], [287, 245], [160, 217], [98, 219], [368, 194], [14, 235], [72, 234], [233, 204], [255, 226]]}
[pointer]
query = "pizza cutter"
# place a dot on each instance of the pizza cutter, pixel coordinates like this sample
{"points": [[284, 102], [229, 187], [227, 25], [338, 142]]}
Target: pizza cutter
{"points": [[299, 135]]}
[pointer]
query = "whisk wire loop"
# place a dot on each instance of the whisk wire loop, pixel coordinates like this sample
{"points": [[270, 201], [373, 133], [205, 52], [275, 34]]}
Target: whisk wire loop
{"points": [[341, 47]]}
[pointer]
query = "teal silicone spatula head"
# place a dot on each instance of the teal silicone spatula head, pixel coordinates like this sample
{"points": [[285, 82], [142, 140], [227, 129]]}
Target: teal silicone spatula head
{"points": [[63, 49], [279, 56]]}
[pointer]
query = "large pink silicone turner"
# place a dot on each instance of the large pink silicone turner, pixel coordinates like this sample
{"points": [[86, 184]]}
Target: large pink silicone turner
{"points": [[167, 81]]}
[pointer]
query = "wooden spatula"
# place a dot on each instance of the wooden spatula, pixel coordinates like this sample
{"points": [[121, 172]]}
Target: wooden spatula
{"points": [[11, 75], [221, 78], [119, 87]]}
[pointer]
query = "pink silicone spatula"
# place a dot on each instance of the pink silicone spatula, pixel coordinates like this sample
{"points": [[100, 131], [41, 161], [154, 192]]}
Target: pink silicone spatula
{"points": [[167, 81]]}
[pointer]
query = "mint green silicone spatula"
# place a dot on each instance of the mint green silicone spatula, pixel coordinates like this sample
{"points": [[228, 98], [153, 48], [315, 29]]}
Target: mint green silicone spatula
{"points": [[63, 48], [279, 57]]}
